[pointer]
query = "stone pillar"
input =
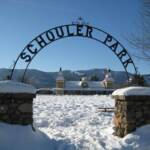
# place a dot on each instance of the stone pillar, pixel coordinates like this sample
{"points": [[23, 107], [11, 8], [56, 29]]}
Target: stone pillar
{"points": [[16, 101], [59, 91], [131, 112]]}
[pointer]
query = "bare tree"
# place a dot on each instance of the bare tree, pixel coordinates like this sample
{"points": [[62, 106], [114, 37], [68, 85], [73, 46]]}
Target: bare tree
{"points": [[141, 39]]}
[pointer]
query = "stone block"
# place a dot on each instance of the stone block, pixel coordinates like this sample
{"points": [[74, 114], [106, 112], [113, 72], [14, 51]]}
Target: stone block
{"points": [[148, 121], [25, 108], [139, 114], [3, 109]]}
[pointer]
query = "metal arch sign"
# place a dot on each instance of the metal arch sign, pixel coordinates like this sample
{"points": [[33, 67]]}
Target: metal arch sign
{"points": [[73, 30]]}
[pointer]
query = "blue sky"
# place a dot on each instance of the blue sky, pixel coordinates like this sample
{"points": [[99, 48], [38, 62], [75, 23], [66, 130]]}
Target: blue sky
{"points": [[22, 20]]}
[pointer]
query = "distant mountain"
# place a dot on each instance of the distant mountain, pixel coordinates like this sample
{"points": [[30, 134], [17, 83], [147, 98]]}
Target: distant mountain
{"points": [[41, 79]]}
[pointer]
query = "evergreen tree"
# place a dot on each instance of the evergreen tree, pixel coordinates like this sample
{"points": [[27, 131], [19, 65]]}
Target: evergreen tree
{"points": [[94, 78], [138, 80]]}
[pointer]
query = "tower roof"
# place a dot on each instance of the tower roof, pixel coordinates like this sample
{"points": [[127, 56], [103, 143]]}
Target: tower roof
{"points": [[60, 75]]}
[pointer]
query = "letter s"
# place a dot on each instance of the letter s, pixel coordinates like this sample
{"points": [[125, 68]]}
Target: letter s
{"points": [[23, 56]]}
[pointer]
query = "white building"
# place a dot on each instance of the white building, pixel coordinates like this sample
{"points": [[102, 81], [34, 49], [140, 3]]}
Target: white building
{"points": [[84, 86]]}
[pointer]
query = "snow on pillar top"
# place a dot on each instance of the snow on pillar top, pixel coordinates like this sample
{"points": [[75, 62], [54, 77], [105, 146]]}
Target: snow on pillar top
{"points": [[9, 86], [132, 91]]}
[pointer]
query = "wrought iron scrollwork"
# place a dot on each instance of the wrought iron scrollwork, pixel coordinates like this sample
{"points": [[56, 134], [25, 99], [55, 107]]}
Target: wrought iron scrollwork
{"points": [[78, 29]]}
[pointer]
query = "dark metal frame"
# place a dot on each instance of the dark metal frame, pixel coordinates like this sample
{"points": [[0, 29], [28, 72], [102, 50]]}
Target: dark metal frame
{"points": [[70, 25]]}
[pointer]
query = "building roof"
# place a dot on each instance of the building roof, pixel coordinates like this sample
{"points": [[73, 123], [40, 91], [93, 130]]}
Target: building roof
{"points": [[77, 85]]}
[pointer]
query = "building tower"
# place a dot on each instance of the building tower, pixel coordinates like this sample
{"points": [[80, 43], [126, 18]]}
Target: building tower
{"points": [[60, 82], [108, 81]]}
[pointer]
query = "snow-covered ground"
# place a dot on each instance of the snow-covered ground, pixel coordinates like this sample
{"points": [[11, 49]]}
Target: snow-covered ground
{"points": [[78, 121], [71, 123]]}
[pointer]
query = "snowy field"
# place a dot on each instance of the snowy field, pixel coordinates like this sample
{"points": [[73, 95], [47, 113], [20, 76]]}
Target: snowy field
{"points": [[71, 123], [75, 122]]}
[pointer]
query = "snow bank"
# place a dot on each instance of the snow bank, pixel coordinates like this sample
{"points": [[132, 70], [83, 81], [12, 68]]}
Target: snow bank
{"points": [[130, 91], [15, 137], [9, 86], [138, 140]]}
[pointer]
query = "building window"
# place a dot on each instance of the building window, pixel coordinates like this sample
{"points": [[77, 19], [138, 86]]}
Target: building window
{"points": [[84, 85]]}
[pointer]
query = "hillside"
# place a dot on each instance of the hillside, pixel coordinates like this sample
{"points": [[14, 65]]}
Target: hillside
{"points": [[47, 79]]}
